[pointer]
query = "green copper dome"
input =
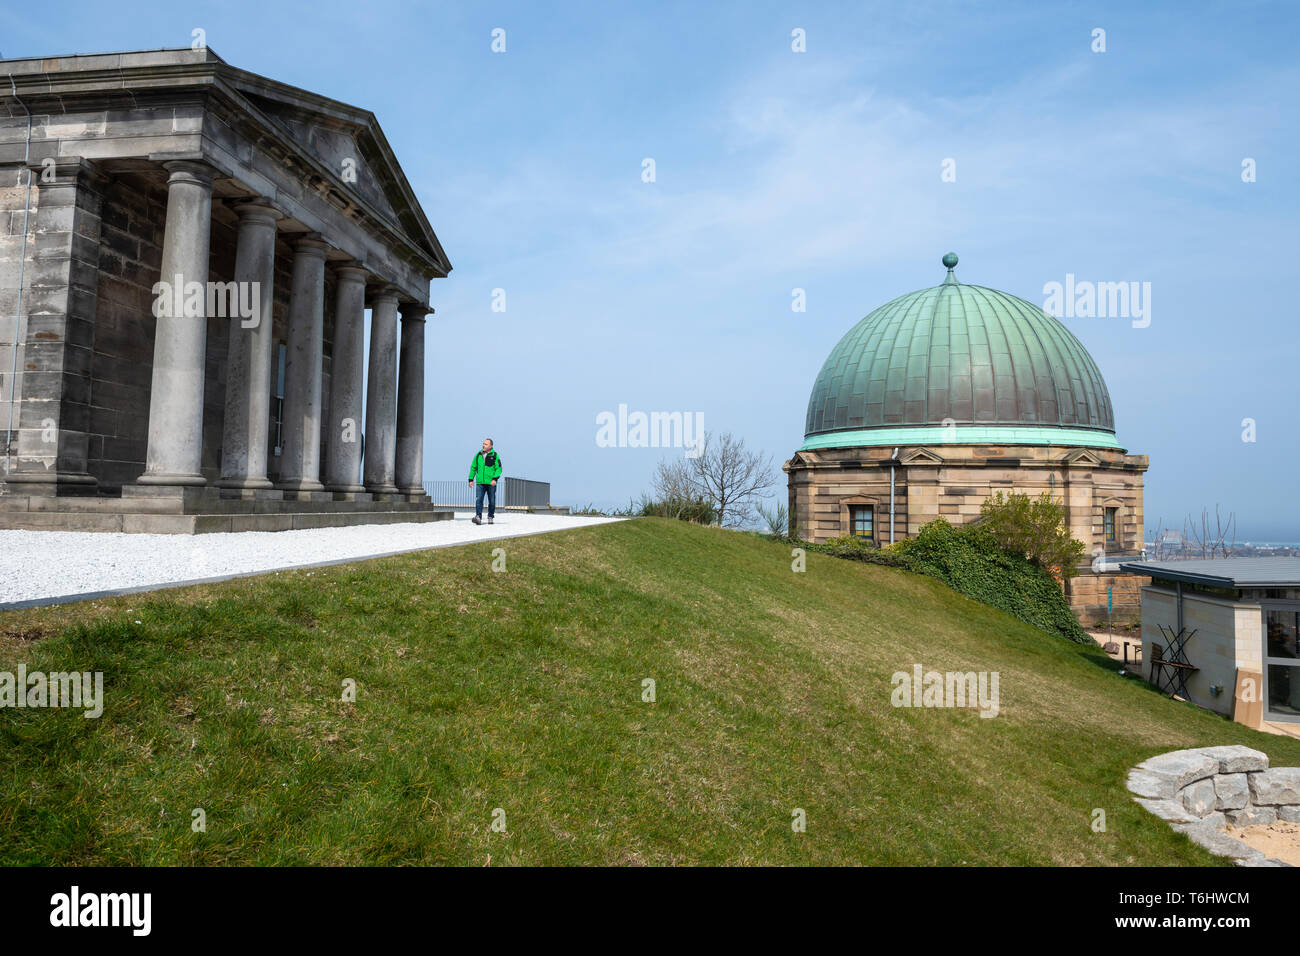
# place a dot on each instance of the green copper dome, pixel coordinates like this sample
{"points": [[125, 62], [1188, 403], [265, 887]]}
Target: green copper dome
{"points": [[959, 363]]}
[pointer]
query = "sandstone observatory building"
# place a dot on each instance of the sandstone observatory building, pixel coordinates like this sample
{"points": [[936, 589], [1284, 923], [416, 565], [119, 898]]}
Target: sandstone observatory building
{"points": [[944, 396], [187, 252]]}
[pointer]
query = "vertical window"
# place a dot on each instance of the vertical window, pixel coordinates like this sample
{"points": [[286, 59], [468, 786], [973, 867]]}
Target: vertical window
{"points": [[1282, 662], [862, 521], [277, 400], [1108, 524]]}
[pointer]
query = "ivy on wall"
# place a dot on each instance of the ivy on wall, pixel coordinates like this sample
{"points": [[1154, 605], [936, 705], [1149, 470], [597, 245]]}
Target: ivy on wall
{"points": [[970, 561]]}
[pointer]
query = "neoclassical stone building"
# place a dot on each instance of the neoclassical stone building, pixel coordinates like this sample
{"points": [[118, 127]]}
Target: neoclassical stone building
{"points": [[187, 251], [944, 396]]}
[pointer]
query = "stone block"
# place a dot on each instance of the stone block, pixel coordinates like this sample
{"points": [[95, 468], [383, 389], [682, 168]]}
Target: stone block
{"points": [[1288, 814], [1232, 791], [1199, 798], [1237, 759], [307, 496], [1183, 767], [1173, 811], [1251, 816], [1281, 785]]}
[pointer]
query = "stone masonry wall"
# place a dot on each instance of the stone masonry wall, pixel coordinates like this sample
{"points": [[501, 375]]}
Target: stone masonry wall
{"points": [[130, 255], [1200, 791], [953, 481]]}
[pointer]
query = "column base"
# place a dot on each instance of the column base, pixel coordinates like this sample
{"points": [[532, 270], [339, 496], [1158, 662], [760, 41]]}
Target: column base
{"points": [[244, 483], [161, 478], [186, 494], [345, 488], [382, 489], [299, 484]]}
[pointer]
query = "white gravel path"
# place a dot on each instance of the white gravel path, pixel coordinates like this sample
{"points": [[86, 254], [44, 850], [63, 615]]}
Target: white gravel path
{"points": [[51, 567]]}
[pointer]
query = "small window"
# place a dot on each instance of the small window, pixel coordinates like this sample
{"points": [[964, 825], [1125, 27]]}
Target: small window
{"points": [[277, 401], [862, 521], [1108, 524]]}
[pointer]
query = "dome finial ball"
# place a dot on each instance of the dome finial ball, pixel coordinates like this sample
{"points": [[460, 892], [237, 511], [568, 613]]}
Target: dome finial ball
{"points": [[950, 260]]}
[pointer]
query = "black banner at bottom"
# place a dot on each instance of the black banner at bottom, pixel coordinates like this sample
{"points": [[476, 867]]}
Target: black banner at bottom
{"points": [[337, 905]]}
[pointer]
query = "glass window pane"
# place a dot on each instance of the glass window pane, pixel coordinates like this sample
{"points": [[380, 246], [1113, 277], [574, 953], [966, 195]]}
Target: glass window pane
{"points": [[1283, 689], [1280, 633]]}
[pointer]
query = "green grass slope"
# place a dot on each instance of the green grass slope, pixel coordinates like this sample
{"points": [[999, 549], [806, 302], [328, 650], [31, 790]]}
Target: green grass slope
{"points": [[522, 690]]}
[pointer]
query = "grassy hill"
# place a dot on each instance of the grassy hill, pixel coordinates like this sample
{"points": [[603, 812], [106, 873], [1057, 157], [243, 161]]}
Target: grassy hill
{"points": [[522, 691]]}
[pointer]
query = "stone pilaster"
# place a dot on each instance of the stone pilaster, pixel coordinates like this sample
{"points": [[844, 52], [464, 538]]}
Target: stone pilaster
{"points": [[343, 432], [381, 395], [248, 382], [53, 419], [180, 340], [300, 470], [409, 467]]}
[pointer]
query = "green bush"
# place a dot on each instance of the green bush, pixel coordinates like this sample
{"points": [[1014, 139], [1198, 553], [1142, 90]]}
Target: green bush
{"points": [[1034, 527], [697, 510], [855, 549], [970, 560]]}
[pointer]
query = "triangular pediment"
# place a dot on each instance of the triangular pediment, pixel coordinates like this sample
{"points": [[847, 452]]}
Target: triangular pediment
{"points": [[347, 144], [920, 456], [1081, 456], [339, 150]]}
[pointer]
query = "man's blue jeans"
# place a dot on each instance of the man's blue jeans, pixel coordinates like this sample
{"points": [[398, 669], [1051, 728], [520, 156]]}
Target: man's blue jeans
{"points": [[491, 492]]}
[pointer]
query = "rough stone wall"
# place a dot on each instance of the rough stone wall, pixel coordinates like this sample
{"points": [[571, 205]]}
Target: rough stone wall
{"points": [[1200, 791], [130, 257], [1087, 594], [953, 481]]}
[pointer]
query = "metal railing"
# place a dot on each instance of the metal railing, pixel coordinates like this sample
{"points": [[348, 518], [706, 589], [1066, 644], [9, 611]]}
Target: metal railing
{"points": [[511, 493]]}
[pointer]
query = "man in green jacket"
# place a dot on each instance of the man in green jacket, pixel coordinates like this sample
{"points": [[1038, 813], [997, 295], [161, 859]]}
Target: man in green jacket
{"points": [[484, 472]]}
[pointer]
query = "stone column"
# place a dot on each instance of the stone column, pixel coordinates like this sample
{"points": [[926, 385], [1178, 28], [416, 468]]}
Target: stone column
{"points": [[381, 395], [248, 382], [409, 470], [54, 417], [300, 451], [180, 341], [343, 433]]}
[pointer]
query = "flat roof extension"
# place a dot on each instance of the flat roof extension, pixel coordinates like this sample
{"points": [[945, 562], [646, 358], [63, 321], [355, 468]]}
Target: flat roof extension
{"points": [[1223, 572]]}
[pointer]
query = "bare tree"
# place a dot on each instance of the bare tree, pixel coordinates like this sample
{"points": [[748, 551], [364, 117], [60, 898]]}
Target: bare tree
{"points": [[1212, 542], [1160, 549], [673, 481], [730, 476]]}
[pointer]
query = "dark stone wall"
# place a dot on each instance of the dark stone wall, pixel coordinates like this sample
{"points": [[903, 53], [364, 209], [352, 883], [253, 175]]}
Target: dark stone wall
{"points": [[132, 218], [133, 223]]}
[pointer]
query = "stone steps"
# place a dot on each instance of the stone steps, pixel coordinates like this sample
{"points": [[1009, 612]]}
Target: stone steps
{"points": [[156, 523], [199, 506]]}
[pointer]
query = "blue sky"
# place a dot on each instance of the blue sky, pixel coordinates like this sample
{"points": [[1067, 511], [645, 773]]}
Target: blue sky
{"points": [[816, 170]]}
